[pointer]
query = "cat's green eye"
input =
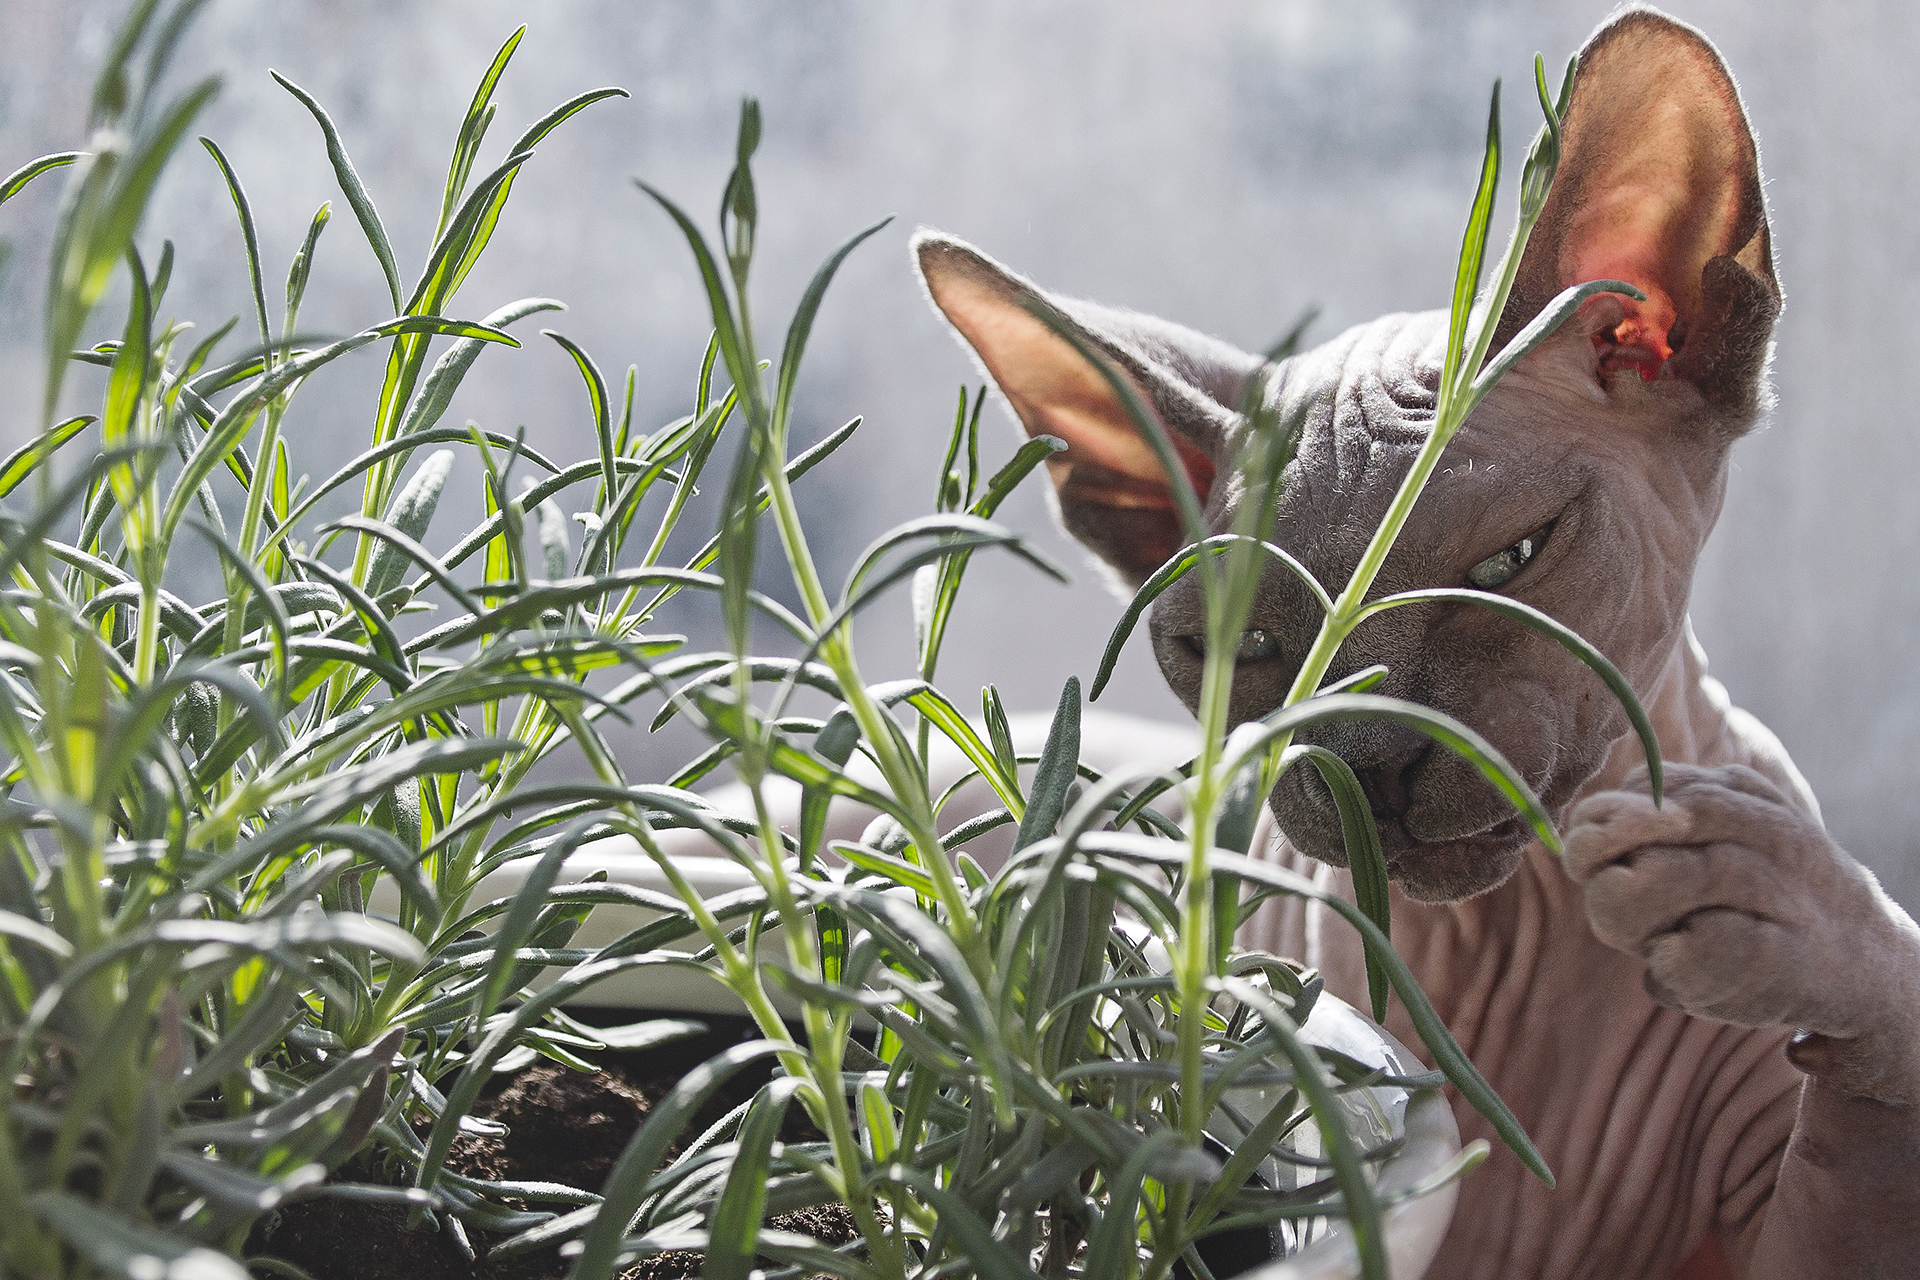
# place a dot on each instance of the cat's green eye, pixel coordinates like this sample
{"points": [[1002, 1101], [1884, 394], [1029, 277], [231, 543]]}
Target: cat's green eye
{"points": [[1255, 645], [1499, 569]]}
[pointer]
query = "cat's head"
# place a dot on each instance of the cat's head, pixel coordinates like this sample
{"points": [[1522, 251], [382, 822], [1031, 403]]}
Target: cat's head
{"points": [[1585, 484]]}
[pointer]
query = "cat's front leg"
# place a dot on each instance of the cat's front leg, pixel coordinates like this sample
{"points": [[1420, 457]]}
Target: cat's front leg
{"points": [[1746, 912]]}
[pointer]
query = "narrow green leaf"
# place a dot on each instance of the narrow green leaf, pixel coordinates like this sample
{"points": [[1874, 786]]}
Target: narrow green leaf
{"points": [[384, 640], [111, 86], [238, 1189], [473, 127], [302, 265], [37, 531], [411, 548], [802, 326], [1569, 639], [127, 385], [1539, 329], [745, 381], [121, 1248], [739, 541], [999, 732], [1239, 810], [351, 187], [1364, 859], [1442, 728], [933, 704], [1473, 253], [428, 406], [262, 591], [666, 1120], [897, 870], [497, 563], [21, 929], [597, 401], [410, 514], [30, 456], [1177, 568], [736, 1218], [249, 238], [949, 464], [622, 434], [15, 182], [535, 134], [1059, 767], [439, 280], [877, 1123], [517, 929], [834, 743]]}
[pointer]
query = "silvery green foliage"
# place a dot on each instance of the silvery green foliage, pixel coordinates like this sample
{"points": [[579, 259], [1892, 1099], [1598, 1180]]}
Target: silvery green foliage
{"points": [[201, 1020]]}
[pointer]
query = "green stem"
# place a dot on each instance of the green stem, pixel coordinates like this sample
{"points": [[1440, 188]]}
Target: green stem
{"points": [[146, 644], [826, 1037], [1196, 903], [1227, 611], [825, 1099], [1455, 403], [901, 774]]}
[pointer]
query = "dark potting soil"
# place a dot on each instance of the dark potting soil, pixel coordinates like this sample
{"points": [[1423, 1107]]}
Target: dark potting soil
{"points": [[562, 1126]]}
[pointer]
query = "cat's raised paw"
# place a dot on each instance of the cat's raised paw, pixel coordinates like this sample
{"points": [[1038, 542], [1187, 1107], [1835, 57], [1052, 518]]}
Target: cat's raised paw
{"points": [[1746, 911]]}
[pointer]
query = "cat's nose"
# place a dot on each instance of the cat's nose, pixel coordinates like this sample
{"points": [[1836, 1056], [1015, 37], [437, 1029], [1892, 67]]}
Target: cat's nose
{"points": [[1388, 782]]}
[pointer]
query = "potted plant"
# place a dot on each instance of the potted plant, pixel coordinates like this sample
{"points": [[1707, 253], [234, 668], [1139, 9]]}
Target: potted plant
{"points": [[281, 907]]}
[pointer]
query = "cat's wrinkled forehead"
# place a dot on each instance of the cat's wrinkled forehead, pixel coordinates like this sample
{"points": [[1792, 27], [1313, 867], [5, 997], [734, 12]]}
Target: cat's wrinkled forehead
{"points": [[1369, 397]]}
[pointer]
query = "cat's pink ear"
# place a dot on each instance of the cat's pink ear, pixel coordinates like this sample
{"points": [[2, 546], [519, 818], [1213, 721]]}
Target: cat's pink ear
{"points": [[1114, 495], [1659, 185]]}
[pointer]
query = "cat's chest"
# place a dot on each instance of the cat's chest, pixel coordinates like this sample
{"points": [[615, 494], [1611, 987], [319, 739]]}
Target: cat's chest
{"points": [[1651, 1120]]}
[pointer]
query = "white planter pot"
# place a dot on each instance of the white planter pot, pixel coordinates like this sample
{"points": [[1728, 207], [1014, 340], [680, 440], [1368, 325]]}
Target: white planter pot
{"points": [[1414, 1228], [667, 988]]}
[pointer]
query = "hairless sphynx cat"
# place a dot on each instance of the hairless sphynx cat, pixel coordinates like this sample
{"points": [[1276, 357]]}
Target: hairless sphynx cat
{"points": [[1707, 1014]]}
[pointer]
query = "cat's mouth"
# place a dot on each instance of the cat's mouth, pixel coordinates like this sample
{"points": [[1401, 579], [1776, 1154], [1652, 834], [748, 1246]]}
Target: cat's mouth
{"points": [[1459, 867], [1433, 869], [1502, 833]]}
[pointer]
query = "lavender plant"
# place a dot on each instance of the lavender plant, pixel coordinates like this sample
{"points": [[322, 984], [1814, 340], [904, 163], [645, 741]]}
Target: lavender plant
{"points": [[1015, 1074]]}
